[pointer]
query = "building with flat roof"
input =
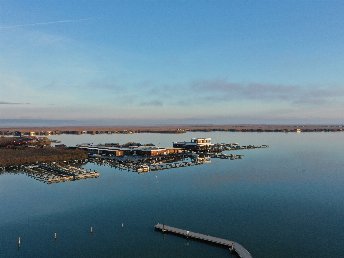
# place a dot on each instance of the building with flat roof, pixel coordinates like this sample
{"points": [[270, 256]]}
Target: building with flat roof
{"points": [[194, 144], [151, 151]]}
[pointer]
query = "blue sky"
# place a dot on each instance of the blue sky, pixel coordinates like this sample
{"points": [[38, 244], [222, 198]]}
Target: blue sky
{"points": [[172, 61]]}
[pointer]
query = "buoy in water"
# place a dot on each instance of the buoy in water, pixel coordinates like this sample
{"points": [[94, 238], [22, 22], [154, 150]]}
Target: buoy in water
{"points": [[91, 229]]}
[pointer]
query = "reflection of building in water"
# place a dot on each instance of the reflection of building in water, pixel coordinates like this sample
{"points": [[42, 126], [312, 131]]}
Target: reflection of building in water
{"points": [[55, 173], [151, 163]]}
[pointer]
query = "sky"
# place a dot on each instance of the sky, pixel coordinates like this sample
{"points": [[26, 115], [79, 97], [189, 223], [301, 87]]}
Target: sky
{"points": [[158, 62]]}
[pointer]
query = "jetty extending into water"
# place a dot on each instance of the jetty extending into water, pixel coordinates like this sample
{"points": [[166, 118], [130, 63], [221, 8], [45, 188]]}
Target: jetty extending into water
{"points": [[234, 247]]}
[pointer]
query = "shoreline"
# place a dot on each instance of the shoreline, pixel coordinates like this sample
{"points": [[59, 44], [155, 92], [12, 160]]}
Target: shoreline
{"points": [[171, 129], [29, 156]]}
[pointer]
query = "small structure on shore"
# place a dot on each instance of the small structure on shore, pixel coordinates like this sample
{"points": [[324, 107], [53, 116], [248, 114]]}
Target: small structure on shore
{"points": [[196, 144]]}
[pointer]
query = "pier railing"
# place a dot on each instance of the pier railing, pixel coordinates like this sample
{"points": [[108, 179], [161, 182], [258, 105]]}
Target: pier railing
{"points": [[234, 247]]}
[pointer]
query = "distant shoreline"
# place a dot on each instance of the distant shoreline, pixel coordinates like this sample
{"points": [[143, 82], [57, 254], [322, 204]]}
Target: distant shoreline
{"points": [[169, 129]]}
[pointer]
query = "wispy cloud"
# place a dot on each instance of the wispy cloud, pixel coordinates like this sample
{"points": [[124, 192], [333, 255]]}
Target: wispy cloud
{"points": [[42, 23], [12, 103], [224, 90]]}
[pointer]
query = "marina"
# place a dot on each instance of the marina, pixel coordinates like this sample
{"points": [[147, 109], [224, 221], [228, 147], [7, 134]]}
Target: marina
{"points": [[146, 164], [138, 158], [134, 157], [55, 173]]}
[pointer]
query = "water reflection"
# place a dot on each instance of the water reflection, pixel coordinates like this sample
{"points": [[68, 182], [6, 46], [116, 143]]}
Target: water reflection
{"points": [[145, 164]]}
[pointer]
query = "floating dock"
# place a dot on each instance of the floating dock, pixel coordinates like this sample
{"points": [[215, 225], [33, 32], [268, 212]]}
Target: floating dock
{"points": [[234, 247], [54, 173]]}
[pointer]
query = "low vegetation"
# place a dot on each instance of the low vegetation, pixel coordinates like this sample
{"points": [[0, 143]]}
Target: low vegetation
{"points": [[22, 156]]}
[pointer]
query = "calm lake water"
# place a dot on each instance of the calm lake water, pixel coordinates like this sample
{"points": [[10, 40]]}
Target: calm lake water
{"points": [[284, 201]]}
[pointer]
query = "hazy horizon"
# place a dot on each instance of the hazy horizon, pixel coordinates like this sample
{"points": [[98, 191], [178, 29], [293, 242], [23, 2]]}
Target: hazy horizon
{"points": [[8, 123]]}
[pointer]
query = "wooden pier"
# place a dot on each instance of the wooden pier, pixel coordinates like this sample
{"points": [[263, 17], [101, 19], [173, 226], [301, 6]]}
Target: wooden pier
{"points": [[234, 247]]}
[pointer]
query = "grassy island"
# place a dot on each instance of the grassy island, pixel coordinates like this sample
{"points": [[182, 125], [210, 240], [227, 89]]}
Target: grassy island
{"points": [[16, 151]]}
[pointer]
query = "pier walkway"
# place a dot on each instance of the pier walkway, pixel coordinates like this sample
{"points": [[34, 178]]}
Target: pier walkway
{"points": [[231, 245]]}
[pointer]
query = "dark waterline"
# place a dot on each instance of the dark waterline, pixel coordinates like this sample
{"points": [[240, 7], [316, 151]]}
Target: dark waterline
{"points": [[284, 201]]}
